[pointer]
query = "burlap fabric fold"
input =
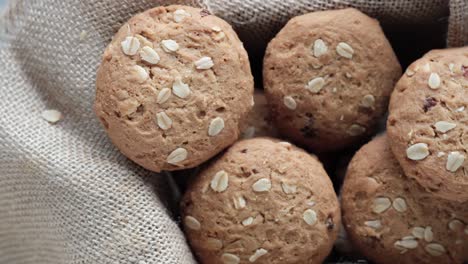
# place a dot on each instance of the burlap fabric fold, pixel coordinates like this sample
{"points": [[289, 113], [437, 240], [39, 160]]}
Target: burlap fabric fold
{"points": [[66, 194]]}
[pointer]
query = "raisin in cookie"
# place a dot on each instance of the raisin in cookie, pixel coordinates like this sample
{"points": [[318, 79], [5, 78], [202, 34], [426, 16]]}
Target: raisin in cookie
{"points": [[328, 76], [174, 87], [259, 122], [390, 217], [250, 206], [428, 122]]}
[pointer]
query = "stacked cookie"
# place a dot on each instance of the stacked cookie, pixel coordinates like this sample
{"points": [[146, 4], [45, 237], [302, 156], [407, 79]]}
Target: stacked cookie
{"points": [[174, 89], [259, 122], [428, 123], [263, 201], [405, 195], [328, 76]]}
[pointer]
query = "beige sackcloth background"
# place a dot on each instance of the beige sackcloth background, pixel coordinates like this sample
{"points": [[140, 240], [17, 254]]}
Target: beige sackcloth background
{"points": [[66, 194]]}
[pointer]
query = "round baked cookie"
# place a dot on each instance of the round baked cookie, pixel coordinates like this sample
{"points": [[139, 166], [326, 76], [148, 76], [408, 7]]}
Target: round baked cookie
{"points": [[428, 122], [263, 201], [328, 76], [259, 123], [391, 219], [174, 87]]}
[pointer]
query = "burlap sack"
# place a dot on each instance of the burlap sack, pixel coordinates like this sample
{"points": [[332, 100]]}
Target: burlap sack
{"points": [[66, 194]]}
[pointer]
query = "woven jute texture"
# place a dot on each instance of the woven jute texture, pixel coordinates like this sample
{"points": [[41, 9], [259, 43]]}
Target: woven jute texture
{"points": [[457, 34], [66, 194]]}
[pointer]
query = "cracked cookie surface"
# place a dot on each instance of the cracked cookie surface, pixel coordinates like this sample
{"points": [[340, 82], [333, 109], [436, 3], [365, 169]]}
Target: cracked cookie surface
{"points": [[174, 87], [328, 76], [428, 122], [390, 217], [250, 206]]}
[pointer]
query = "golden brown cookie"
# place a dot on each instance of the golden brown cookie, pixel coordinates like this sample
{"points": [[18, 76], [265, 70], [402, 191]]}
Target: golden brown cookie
{"points": [[328, 76], [263, 201], [428, 122], [391, 219], [174, 87], [259, 122]]}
